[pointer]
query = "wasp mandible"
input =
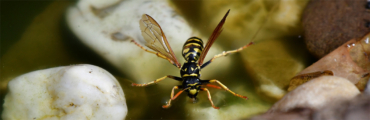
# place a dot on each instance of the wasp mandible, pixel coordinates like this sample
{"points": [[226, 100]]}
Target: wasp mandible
{"points": [[194, 53]]}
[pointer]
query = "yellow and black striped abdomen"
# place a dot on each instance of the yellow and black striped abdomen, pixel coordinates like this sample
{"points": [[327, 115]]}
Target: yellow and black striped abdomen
{"points": [[192, 49]]}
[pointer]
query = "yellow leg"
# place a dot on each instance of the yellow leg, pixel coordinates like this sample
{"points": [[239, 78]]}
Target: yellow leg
{"points": [[156, 53], [210, 98], [149, 83], [172, 96], [227, 89], [231, 51]]}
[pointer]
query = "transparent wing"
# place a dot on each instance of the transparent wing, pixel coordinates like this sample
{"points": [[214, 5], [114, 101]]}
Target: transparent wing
{"points": [[155, 38], [212, 39]]}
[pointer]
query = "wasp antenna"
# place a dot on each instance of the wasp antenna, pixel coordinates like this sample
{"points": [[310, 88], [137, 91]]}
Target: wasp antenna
{"points": [[265, 21]]}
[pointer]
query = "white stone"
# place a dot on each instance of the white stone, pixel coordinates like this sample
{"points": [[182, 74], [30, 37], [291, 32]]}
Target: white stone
{"points": [[76, 92], [108, 28]]}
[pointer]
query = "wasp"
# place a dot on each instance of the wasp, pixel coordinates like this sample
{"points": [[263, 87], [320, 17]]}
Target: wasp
{"points": [[194, 53]]}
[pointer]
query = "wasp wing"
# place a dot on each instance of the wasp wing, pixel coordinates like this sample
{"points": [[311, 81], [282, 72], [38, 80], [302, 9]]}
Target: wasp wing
{"points": [[212, 39], [155, 38]]}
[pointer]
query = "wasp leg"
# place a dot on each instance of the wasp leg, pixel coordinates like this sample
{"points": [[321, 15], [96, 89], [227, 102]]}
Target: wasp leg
{"points": [[224, 87], [226, 53], [156, 53], [209, 97], [157, 80], [213, 86], [172, 96]]}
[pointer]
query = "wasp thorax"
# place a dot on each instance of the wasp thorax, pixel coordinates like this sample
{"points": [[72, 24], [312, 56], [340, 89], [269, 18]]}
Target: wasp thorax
{"points": [[192, 49]]}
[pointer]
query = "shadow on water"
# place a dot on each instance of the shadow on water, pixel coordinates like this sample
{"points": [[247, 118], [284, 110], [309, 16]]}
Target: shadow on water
{"points": [[296, 46], [15, 22]]}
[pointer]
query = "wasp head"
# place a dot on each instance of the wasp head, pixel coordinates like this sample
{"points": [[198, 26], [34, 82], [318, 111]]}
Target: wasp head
{"points": [[193, 90]]}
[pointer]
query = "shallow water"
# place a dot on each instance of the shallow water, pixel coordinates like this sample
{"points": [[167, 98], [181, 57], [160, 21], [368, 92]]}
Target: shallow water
{"points": [[36, 37]]}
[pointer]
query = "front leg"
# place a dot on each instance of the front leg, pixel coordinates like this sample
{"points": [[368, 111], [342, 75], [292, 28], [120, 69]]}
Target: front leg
{"points": [[224, 87], [157, 80], [209, 97], [172, 96]]}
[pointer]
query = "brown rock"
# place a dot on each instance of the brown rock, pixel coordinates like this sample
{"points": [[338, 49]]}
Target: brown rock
{"points": [[316, 93], [294, 114], [355, 109], [350, 61], [328, 24], [367, 90]]}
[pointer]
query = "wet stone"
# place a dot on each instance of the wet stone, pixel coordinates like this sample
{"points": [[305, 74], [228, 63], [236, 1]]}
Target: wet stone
{"points": [[329, 24], [316, 93]]}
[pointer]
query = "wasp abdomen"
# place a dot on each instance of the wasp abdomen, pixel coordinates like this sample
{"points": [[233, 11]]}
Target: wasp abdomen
{"points": [[192, 49]]}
